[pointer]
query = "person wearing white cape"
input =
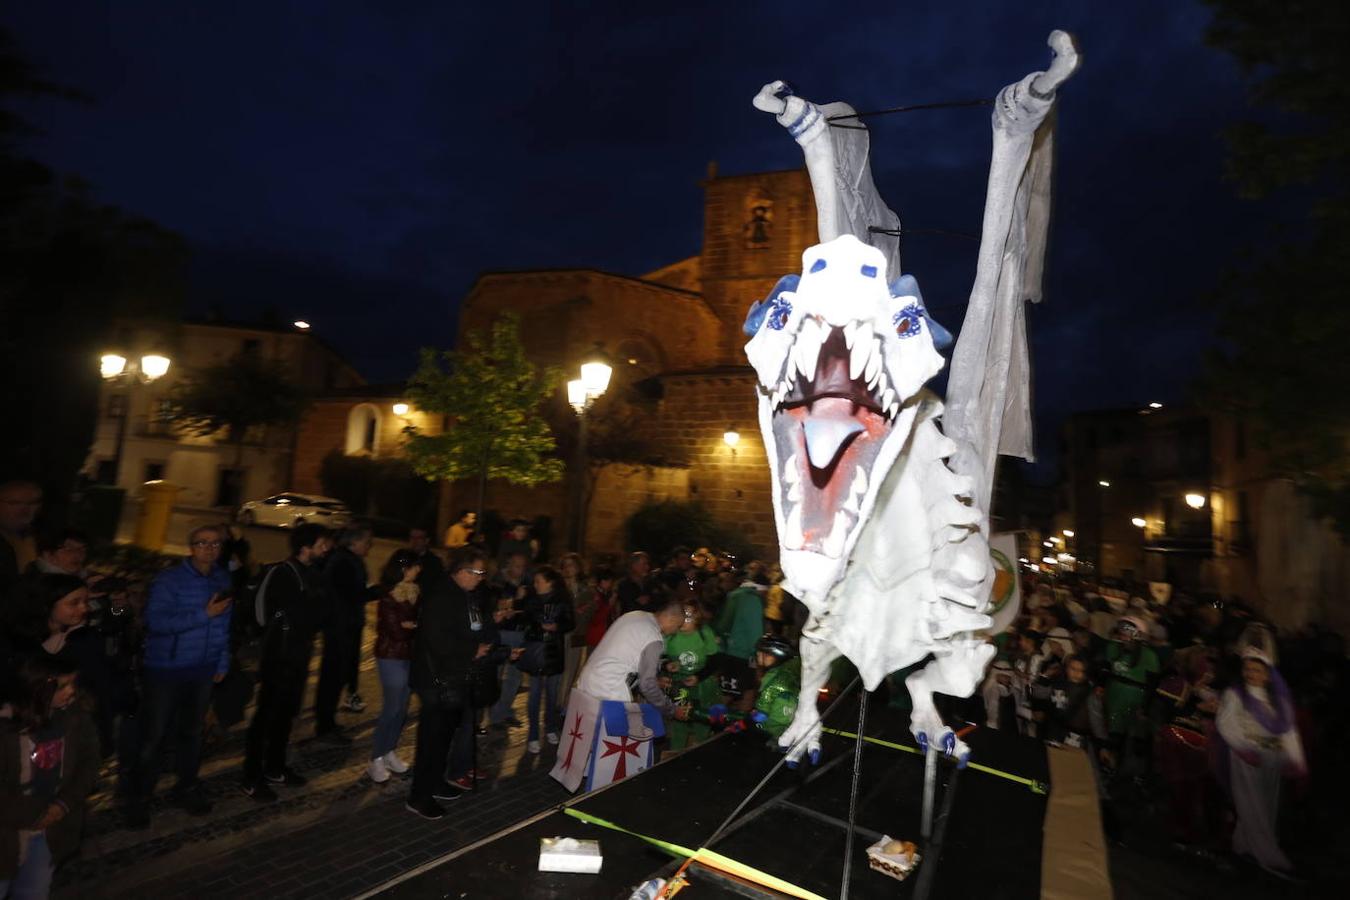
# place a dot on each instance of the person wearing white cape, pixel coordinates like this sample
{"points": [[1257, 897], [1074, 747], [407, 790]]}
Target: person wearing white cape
{"points": [[1256, 723]]}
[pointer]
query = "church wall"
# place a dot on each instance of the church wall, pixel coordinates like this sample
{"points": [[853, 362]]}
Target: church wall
{"points": [[733, 484]]}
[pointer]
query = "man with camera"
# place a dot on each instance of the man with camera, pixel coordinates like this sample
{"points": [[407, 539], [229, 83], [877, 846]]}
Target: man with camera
{"points": [[187, 650]]}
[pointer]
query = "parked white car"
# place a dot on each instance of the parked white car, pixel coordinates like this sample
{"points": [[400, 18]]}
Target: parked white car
{"points": [[291, 509]]}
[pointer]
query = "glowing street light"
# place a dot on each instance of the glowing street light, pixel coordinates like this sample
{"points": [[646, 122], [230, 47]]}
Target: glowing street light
{"points": [[1049, 561], [112, 365], [1104, 483], [731, 437], [1068, 532], [154, 366], [301, 325], [1050, 544], [581, 393], [1155, 405], [1195, 501], [401, 409]]}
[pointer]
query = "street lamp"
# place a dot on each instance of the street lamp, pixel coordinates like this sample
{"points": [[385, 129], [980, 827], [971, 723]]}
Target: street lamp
{"points": [[400, 409], [1138, 522], [1104, 483], [1068, 532], [117, 369], [1195, 501], [582, 392]]}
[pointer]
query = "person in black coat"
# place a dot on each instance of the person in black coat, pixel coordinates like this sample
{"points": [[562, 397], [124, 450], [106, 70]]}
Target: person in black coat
{"points": [[433, 570], [446, 647], [296, 595], [548, 619], [347, 583]]}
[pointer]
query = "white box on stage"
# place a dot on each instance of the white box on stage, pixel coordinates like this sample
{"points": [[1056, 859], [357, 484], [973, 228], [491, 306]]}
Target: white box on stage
{"points": [[560, 854]]}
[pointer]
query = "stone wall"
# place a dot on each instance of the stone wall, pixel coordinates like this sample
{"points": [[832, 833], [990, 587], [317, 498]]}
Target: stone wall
{"points": [[619, 491], [732, 482], [737, 267]]}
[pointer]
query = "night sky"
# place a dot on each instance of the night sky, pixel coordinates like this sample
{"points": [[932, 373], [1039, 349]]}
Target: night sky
{"points": [[358, 163]]}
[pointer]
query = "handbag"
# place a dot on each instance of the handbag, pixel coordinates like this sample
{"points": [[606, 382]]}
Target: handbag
{"points": [[447, 695], [531, 662]]}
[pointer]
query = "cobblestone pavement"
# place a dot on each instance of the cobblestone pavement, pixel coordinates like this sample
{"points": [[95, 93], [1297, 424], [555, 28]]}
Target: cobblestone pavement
{"points": [[337, 836]]}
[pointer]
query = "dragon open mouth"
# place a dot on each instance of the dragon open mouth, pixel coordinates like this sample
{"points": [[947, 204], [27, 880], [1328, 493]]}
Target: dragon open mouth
{"points": [[832, 411]]}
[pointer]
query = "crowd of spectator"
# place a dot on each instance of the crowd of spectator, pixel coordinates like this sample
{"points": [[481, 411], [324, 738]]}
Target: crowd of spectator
{"points": [[1185, 702]]}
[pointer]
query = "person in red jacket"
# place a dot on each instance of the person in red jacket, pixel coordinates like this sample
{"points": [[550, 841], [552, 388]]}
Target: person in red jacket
{"points": [[396, 623]]}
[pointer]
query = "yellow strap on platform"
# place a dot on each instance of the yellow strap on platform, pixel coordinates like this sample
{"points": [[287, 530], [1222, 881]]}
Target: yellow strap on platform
{"points": [[705, 856], [1037, 787]]}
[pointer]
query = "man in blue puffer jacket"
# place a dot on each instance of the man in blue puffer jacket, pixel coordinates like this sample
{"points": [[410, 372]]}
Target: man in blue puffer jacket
{"points": [[187, 650]]}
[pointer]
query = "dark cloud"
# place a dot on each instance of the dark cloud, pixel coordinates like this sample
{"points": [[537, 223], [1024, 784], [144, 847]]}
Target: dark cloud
{"points": [[364, 161]]}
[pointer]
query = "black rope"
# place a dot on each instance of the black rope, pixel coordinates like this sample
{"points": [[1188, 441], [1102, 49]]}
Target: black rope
{"points": [[853, 796], [900, 232], [835, 120], [734, 813]]}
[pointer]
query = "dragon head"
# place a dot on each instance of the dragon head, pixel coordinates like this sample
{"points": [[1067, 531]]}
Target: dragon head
{"points": [[840, 355]]}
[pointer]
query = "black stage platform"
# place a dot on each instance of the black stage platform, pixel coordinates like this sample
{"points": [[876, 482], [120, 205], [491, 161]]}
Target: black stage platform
{"points": [[990, 838]]}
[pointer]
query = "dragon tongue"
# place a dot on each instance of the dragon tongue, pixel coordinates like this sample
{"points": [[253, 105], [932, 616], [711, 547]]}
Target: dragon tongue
{"points": [[826, 434]]}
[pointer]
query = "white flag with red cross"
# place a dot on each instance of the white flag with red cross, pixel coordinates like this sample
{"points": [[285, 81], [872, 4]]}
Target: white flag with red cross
{"points": [[578, 737]]}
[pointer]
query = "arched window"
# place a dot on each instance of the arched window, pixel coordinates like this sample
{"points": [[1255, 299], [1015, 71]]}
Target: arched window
{"points": [[363, 430]]}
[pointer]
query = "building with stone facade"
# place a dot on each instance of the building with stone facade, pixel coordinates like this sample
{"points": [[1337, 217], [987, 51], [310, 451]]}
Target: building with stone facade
{"points": [[134, 442], [675, 337]]}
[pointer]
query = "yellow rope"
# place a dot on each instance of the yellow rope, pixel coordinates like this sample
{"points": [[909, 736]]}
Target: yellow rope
{"points": [[1037, 787]]}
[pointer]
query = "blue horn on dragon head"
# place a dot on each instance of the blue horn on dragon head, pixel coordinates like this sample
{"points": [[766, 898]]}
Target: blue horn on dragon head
{"points": [[841, 354]]}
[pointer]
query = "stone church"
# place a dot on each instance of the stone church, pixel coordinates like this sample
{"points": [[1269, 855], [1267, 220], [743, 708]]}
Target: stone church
{"points": [[676, 331]]}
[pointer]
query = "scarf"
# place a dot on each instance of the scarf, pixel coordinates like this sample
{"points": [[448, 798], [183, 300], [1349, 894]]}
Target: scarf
{"points": [[1279, 716]]}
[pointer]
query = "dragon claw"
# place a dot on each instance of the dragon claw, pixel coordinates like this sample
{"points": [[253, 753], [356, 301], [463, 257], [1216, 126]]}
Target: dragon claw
{"points": [[792, 764], [949, 743], [922, 738], [814, 756], [962, 760]]}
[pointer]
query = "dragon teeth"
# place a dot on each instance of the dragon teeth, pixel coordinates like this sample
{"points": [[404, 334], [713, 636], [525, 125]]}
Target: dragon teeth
{"points": [[887, 399], [791, 474], [834, 544], [792, 531], [850, 330], [859, 356], [807, 348], [859, 483], [873, 367], [794, 494]]}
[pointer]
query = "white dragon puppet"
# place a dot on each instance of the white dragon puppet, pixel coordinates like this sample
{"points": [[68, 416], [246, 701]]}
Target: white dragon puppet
{"points": [[882, 518]]}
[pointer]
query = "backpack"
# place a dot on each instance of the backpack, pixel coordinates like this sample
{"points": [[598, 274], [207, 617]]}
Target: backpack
{"points": [[255, 596]]}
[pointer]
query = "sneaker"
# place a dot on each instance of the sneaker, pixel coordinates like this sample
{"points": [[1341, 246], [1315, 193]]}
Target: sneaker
{"points": [[192, 801], [377, 770], [426, 808], [552, 738], [463, 782], [286, 776], [258, 790], [533, 747], [335, 735], [446, 793], [394, 763], [354, 704]]}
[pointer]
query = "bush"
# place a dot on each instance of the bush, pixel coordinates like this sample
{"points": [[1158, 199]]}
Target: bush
{"points": [[386, 491], [660, 526]]}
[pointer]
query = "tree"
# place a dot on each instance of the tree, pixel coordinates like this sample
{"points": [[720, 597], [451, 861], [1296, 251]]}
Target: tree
{"points": [[494, 395], [1282, 366], [71, 271], [233, 397]]}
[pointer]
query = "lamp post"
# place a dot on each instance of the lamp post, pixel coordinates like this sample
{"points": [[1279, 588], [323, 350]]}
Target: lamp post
{"points": [[117, 369], [581, 394]]}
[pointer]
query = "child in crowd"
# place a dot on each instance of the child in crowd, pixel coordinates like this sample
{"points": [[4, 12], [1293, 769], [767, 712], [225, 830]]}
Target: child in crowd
{"points": [[49, 761]]}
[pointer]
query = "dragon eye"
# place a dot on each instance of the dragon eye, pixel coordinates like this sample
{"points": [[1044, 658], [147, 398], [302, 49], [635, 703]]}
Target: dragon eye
{"points": [[906, 321], [780, 311]]}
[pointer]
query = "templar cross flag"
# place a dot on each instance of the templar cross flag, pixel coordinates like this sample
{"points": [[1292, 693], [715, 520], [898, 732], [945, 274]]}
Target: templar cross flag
{"points": [[605, 741]]}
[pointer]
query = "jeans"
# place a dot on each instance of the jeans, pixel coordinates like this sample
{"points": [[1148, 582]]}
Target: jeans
{"points": [[169, 700], [394, 707], [510, 678], [33, 881], [545, 687], [436, 729], [281, 688], [338, 666]]}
